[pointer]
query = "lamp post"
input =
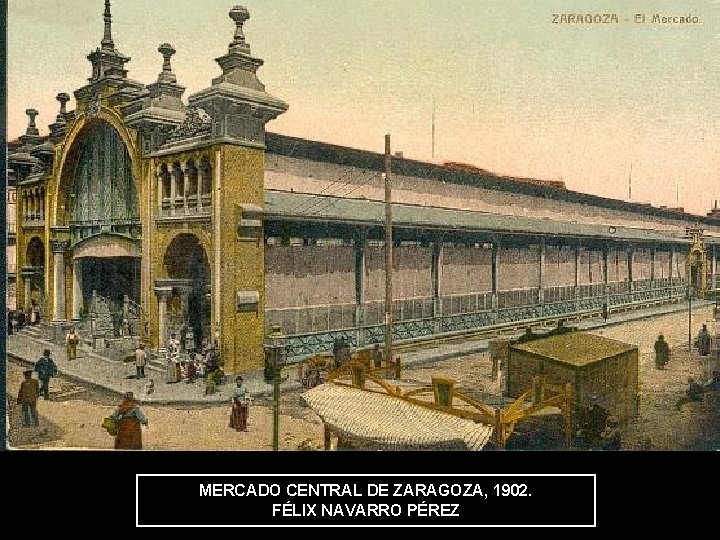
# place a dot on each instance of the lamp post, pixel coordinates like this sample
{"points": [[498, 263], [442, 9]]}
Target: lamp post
{"points": [[275, 354]]}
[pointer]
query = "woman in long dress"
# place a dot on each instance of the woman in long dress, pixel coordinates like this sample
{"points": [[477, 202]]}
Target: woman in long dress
{"points": [[129, 420], [239, 411], [172, 371]]}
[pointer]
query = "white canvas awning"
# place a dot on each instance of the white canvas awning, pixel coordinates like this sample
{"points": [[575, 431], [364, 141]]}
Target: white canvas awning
{"points": [[383, 422]]}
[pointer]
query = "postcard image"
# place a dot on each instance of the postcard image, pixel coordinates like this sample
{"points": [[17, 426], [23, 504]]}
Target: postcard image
{"points": [[369, 225]]}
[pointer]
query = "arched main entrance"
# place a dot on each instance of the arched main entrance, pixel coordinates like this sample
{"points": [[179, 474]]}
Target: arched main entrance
{"points": [[188, 285], [104, 219]]}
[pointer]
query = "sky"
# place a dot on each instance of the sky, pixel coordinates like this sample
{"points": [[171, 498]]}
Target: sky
{"points": [[623, 110]]}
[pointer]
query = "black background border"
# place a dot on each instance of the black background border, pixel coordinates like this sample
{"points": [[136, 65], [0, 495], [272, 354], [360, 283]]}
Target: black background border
{"points": [[90, 492]]}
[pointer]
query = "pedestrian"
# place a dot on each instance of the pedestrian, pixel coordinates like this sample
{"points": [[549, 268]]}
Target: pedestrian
{"points": [[190, 372], [610, 438], [27, 399], [377, 356], [704, 341], [46, 369], [337, 347], [694, 392], [72, 339], [140, 361], [172, 370], [240, 406], [10, 317], [21, 320], [591, 423], [130, 420], [183, 337], [662, 352], [605, 312]]}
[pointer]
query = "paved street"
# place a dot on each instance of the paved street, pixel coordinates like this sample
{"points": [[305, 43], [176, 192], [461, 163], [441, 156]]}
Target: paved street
{"points": [[181, 417]]}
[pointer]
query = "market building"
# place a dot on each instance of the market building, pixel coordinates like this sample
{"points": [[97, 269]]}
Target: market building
{"points": [[140, 213]]}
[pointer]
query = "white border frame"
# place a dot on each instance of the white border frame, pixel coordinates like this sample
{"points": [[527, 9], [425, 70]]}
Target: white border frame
{"points": [[593, 475]]}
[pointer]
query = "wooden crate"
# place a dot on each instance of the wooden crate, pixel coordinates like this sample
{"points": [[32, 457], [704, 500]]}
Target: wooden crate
{"points": [[598, 369]]}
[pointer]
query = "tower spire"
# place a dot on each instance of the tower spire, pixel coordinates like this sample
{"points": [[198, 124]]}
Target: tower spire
{"points": [[107, 41]]}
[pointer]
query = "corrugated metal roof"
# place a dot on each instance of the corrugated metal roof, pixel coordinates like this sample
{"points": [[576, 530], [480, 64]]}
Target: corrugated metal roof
{"points": [[362, 211], [383, 422]]}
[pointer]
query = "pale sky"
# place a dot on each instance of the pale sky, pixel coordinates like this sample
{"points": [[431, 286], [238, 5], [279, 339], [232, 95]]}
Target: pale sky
{"points": [[514, 93]]}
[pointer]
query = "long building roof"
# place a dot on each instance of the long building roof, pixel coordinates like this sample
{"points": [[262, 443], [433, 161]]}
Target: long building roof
{"points": [[307, 208], [288, 146]]}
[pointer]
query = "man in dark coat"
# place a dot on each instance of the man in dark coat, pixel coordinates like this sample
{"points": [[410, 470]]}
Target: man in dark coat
{"points": [[662, 352], [45, 368], [591, 423], [27, 399]]}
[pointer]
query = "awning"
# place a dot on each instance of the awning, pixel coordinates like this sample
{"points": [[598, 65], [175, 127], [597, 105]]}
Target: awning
{"points": [[379, 421]]}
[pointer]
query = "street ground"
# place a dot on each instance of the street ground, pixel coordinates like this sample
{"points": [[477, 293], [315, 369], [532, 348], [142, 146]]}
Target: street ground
{"points": [[72, 418]]}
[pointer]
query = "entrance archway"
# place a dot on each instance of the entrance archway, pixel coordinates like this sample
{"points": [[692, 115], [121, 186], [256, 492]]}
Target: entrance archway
{"points": [[186, 264]]}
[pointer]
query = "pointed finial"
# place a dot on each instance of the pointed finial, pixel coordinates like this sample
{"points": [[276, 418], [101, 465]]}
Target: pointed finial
{"points": [[107, 41], [239, 14], [167, 75], [32, 128]]}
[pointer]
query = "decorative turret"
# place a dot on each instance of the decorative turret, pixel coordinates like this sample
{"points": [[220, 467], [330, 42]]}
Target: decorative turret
{"points": [[159, 106], [106, 60], [57, 128], [32, 130], [108, 73], [237, 101]]}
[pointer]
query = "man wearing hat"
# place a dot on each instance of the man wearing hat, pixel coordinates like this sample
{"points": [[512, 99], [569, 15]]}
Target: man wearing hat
{"points": [[27, 398], [46, 369]]}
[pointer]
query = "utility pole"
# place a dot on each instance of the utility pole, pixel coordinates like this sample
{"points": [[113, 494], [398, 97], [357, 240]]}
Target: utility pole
{"points": [[388, 254], [433, 129], [630, 184]]}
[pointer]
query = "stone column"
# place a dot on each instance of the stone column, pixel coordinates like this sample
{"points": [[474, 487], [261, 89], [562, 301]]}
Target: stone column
{"points": [[27, 288], [162, 295], [159, 191], [173, 190], [494, 269], [186, 185], [58, 249], [77, 298], [436, 275], [577, 277], [360, 288], [606, 274], [671, 258], [541, 280], [41, 205], [652, 266]]}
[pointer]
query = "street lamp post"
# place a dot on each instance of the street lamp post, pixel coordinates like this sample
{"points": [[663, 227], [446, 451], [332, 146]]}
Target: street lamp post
{"points": [[275, 354]]}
